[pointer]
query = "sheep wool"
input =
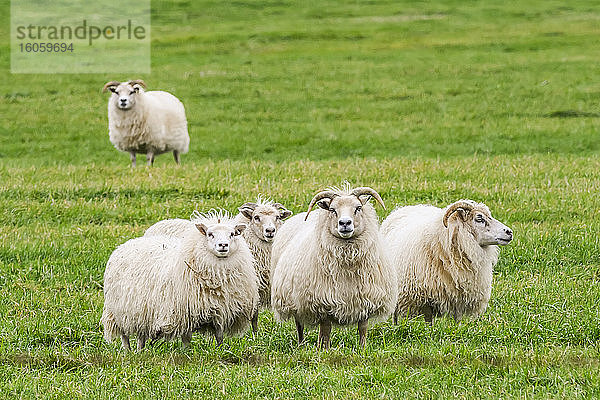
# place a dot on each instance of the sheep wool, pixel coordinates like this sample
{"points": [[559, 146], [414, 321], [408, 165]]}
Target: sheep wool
{"points": [[165, 287]]}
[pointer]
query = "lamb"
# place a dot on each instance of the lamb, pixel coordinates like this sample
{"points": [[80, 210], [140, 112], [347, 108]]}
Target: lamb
{"points": [[330, 266], [444, 258], [151, 123], [263, 219], [163, 287]]}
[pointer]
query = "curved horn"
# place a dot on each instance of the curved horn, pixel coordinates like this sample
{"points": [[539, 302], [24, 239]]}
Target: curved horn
{"points": [[359, 191], [321, 195], [461, 204], [138, 82], [109, 84]]}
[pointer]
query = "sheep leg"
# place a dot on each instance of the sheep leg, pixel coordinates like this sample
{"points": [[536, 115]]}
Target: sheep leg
{"points": [[396, 317], [149, 158], [428, 313], [186, 339], [300, 330], [176, 156], [141, 342], [219, 335], [362, 333], [254, 322], [125, 343], [324, 334], [132, 158]]}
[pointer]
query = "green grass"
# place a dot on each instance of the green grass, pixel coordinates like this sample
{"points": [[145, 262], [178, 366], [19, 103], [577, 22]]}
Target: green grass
{"points": [[427, 102]]}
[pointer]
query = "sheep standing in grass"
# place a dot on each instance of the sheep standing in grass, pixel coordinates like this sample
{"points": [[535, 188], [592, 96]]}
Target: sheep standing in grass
{"points": [[166, 287], [150, 123], [444, 258], [330, 266], [263, 219]]}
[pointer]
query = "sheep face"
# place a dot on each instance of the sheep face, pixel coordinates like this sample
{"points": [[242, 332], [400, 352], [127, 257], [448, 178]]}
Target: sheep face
{"points": [[478, 220], [221, 239], [488, 230], [125, 93], [345, 217], [265, 219]]}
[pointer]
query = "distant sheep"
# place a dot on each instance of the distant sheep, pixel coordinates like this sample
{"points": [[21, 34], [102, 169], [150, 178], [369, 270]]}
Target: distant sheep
{"points": [[444, 258], [164, 287], [263, 218], [150, 123], [330, 266]]}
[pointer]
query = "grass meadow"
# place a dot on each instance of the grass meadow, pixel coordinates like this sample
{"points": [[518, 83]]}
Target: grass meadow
{"points": [[427, 102]]}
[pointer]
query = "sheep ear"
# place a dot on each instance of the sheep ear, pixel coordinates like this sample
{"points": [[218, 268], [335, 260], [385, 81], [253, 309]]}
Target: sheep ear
{"points": [[202, 228], [239, 229], [324, 203], [285, 213], [247, 209]]}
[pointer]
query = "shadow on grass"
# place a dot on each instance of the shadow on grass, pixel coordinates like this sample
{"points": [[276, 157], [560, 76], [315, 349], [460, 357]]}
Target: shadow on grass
{"points": [[572, 114]]}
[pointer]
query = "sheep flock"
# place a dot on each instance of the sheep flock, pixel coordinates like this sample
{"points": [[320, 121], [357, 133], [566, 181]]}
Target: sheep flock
{"points": [[336, 264]]}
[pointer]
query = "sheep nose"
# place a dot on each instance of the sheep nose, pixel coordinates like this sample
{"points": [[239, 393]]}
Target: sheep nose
{"points": [[123, 101], [345, 223], [223, 246], [508, 232], [270, 230]]}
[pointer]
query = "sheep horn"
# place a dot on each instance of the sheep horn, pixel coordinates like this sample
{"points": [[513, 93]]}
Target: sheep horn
{"points": [[138, 82], [461, 204], [109, 84], [359, 191], [321, 195]]}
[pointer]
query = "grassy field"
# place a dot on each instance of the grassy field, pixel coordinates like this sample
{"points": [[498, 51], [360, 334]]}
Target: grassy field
{"points": [[427, 102]]}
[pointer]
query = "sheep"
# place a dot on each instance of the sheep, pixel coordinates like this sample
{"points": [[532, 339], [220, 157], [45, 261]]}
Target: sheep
{"points": [[151, 123], [163, 287], [330, 266], [444, 258], [263, 219]]}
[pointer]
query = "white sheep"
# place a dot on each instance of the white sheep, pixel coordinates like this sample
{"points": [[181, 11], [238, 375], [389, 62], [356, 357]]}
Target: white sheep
{"points": [[165, 287], [330, 266], [150, 123], [444, 258], [263, 219]]}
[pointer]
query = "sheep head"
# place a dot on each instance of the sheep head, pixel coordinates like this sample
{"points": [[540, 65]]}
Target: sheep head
{"points": [[221, 238], [265, 218], [346, 216], [124, 93], [477, 219]]}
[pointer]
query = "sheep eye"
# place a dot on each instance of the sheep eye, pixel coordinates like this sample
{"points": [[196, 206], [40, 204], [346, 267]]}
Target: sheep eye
{"points": [[231, 235], [278, 217], [210, 235], [333, 211], [358, 209], [479, 218], [130, 93], [256, 218]]}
